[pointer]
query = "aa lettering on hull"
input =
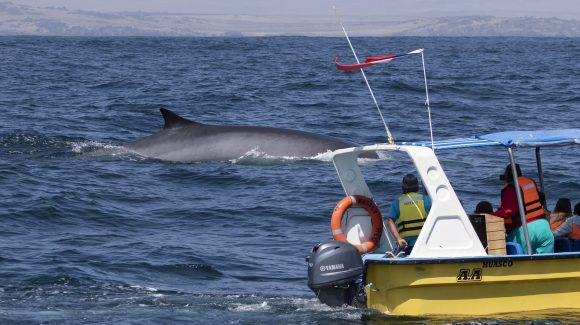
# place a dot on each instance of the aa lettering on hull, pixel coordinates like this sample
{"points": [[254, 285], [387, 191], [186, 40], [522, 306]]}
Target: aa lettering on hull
{"points": [[468, 275]]}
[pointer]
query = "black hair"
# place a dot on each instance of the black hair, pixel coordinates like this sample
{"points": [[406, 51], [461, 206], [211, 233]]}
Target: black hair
{"points": [[577, 209], [563, 205], [508, 175], [484, 207], [410, 184]]}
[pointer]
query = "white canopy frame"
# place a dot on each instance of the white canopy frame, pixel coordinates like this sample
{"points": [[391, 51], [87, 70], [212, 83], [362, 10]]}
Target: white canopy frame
{"points": [[447, 231]]}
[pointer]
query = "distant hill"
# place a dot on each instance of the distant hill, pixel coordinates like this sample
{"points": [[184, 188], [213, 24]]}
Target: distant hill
{"points": [[59, 21]]}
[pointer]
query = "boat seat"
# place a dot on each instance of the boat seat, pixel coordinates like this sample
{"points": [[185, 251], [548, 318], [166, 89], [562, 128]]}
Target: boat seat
{"points": [[562, 245], [576, 247], [514, 248]]}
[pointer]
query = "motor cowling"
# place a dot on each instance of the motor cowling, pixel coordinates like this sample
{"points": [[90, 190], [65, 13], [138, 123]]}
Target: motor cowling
{"points": [[335, 273]]}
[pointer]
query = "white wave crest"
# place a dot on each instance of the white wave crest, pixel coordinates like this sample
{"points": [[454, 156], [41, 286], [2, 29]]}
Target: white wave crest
{"points": [[251, 307], [99, 150], [84, 146], [256, 156]]}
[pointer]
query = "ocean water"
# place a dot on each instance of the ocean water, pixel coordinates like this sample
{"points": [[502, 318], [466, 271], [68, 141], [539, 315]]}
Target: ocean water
{"points": [[91, 233]]}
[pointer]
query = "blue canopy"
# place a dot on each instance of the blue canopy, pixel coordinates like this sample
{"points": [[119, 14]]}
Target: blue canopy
{"points": [[534, 138], [508, 139]]}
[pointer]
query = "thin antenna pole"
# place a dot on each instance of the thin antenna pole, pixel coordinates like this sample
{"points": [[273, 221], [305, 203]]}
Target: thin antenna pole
{"points": [[390, 138], [427, 100]]}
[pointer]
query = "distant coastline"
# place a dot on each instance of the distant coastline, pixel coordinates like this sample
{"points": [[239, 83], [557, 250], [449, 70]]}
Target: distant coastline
{"points": [[58, 21]]}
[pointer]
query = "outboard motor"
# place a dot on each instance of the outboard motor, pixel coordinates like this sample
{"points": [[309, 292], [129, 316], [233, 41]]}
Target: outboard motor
{"points": [[335, 274]]}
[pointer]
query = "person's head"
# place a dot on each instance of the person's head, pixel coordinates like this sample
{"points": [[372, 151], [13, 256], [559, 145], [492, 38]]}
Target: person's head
{"points": [[484, 207], [563, 205], [508, 175], [577, 209], [410, 184]]}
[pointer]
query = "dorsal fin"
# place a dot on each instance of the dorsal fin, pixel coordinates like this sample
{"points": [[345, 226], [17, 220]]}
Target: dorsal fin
{"points": [[173, 120]]}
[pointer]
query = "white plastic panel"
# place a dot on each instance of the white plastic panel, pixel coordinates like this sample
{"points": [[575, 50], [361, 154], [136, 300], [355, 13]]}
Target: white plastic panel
{"points": [[441, 240], [357, 226], [353, 183], [447, 231], [350, 175]]}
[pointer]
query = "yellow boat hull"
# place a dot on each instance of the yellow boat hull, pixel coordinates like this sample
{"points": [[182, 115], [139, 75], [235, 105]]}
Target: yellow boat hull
{"points": [[473, 286]]}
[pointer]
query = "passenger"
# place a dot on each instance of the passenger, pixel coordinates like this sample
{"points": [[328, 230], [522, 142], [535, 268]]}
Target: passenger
{"points": [[570, 228], [484, 207], [409, 212], [541, 238], [562, 211]]}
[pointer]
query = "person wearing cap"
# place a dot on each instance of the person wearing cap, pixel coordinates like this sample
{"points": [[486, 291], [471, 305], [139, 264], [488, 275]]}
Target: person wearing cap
{"points": [[408, 213], [562, 211], [541, 238], [570, 228]]}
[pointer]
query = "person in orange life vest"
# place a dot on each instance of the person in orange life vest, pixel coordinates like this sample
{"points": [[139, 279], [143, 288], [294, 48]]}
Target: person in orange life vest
{"points": [[562, 211], [571, 227], [409, 212], [541, 238]]}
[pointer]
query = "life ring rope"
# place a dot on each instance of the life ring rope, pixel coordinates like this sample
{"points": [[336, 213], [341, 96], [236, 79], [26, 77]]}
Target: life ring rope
{"points": [[376, 220]]}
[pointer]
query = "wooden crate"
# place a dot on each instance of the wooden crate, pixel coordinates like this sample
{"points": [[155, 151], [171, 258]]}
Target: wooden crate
{"points": [[491, 232], [495, 231]]}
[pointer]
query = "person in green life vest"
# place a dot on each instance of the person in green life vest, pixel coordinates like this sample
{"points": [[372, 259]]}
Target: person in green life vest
{"points": [[408, 213]]}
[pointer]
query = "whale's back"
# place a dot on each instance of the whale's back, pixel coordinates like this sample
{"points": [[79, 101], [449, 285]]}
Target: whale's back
{"points": [[185, 141]]}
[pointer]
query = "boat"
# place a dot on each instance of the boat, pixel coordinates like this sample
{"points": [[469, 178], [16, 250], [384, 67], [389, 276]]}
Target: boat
{"points": [[448, 272], [460, 264]]}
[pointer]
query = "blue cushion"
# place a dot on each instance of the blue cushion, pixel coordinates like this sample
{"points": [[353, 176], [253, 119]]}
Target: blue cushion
{"points": [[576, 247], [562, 244], [514, 248]]}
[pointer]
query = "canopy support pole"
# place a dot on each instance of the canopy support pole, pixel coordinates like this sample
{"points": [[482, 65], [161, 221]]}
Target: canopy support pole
{"points": [[540, 172], [521, 207]]}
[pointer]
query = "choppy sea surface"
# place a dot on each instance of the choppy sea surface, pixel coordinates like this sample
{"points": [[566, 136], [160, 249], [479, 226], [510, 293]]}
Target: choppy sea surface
{"points": [[91, 233]]}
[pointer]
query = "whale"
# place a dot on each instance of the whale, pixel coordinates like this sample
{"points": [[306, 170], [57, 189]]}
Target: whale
{"points": [[183, 140]]}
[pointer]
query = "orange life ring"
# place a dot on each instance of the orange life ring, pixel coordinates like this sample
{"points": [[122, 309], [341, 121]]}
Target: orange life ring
{"points": [[376, 220]]}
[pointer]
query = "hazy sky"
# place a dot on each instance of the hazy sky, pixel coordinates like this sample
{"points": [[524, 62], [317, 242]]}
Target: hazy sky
{"points": [[538, 8]]}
